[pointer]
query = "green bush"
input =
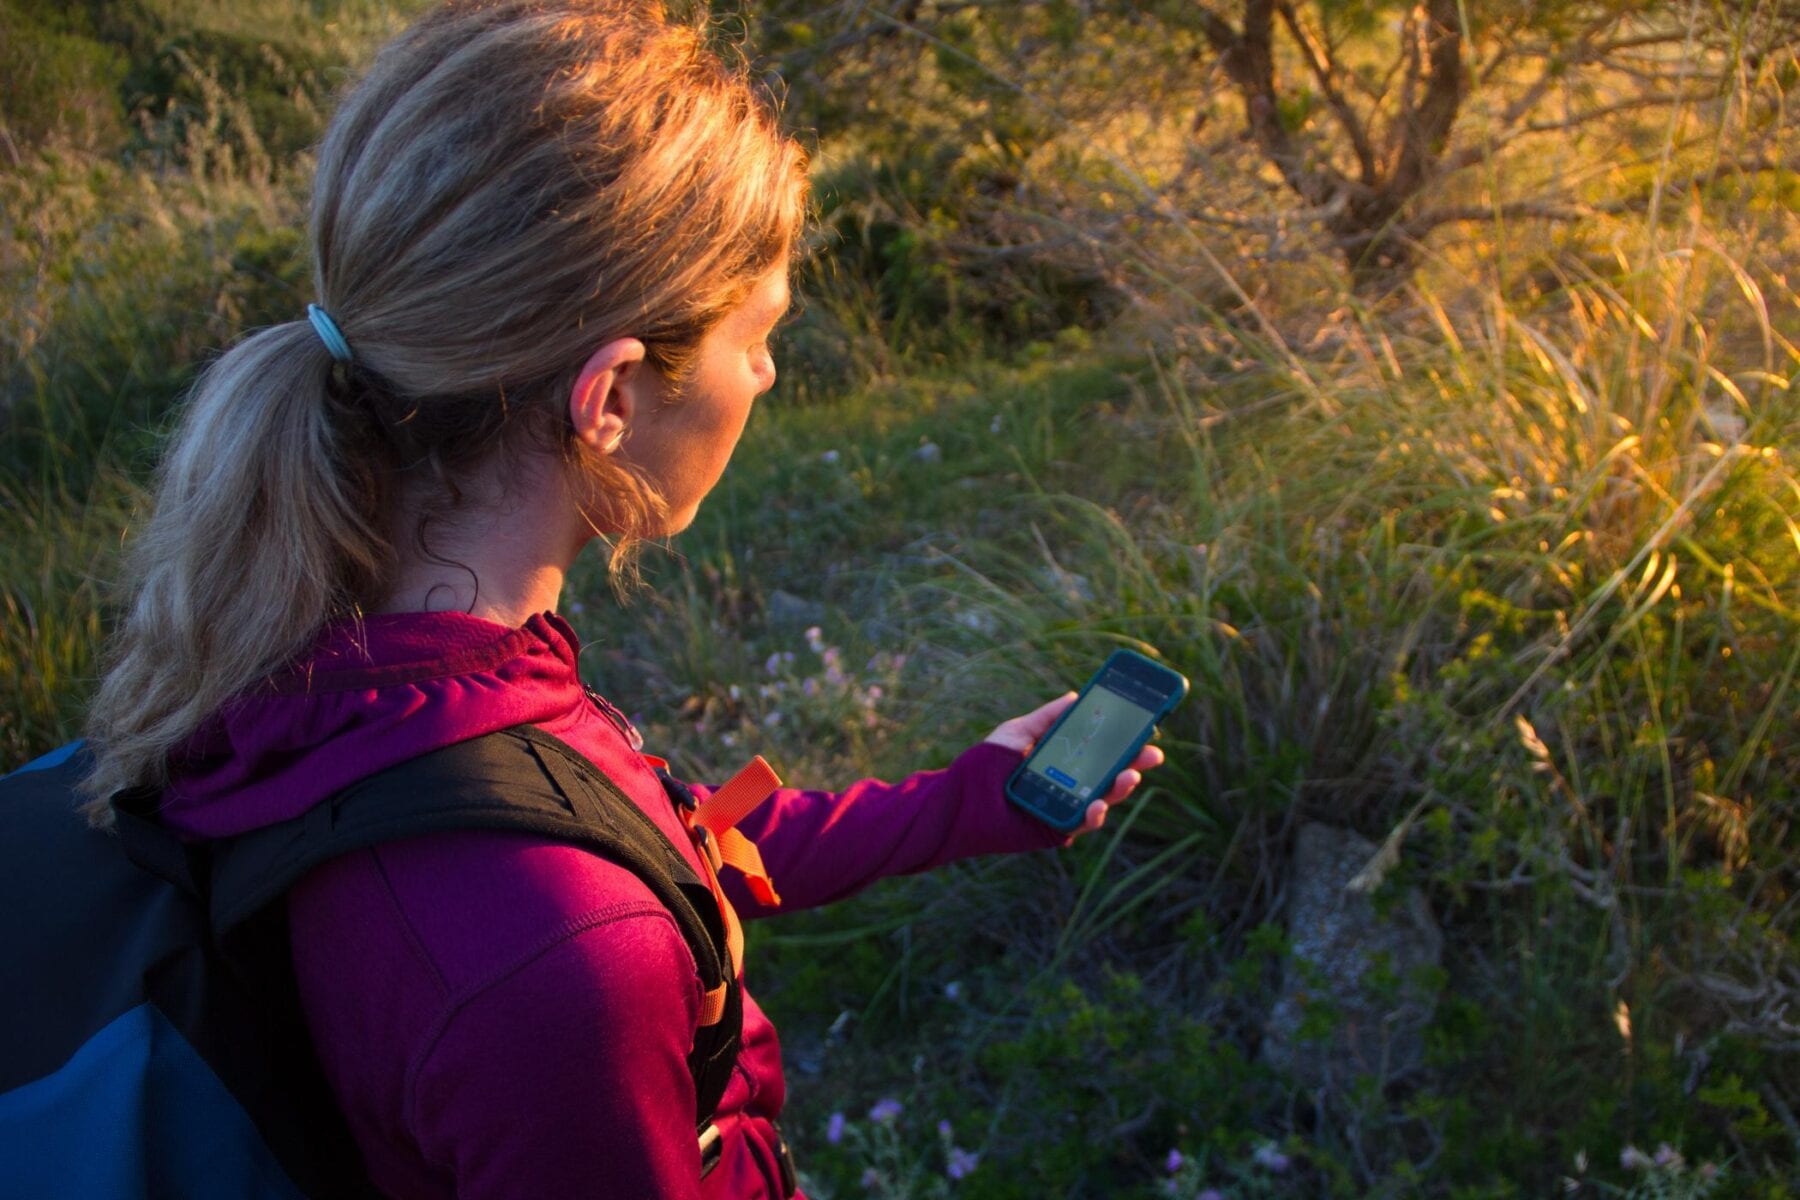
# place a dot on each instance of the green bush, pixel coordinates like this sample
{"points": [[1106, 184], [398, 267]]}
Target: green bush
{"points": [[62, 81]]}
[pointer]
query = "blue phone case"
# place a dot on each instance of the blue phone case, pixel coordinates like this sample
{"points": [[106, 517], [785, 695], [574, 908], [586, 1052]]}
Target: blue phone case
{"points": [[1175, 697]]}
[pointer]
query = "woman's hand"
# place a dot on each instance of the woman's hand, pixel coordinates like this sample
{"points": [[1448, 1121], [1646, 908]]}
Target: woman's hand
{"points": [[1022, 733]]}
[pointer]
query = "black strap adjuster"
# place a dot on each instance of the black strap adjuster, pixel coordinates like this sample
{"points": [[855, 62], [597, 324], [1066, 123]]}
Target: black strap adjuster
{"points": [[712, 1146], [790, 1182], [680, 794]]}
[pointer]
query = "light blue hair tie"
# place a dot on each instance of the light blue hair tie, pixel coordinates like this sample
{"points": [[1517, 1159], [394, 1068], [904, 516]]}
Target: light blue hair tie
{"points": [[329, 333]]}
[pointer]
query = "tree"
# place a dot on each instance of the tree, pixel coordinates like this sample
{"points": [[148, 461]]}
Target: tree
{"points": [[1399, 128], [1367, 110]]}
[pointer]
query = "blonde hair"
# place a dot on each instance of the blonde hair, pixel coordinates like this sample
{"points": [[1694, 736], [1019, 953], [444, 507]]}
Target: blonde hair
{"points": [[513, 183]]}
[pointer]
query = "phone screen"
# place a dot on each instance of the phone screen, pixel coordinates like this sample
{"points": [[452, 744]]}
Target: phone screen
{"points": [[1074, 765]]}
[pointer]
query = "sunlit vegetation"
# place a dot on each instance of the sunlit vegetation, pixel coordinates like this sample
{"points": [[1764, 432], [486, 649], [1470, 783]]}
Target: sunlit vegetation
{"points": [[1479, 536]]}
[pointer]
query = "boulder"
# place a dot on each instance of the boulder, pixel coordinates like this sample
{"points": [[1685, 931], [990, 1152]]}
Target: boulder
{"points": [[1358, 988]]}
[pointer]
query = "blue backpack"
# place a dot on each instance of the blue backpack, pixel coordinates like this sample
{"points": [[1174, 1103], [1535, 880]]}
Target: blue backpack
{"points": [[152, 1044]]}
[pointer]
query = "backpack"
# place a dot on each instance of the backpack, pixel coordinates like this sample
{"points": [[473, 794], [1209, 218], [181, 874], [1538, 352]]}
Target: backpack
{"points": [[153, 1044]]}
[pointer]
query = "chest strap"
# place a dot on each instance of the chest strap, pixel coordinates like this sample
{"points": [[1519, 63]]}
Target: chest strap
{"points": [[712, 825]]}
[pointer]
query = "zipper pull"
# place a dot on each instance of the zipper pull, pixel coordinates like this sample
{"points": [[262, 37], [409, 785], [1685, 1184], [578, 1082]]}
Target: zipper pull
{"points": [[626, 729]]}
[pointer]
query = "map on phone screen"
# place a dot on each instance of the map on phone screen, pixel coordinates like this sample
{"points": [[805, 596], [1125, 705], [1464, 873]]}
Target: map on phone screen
{"points": [[1089, 742]]}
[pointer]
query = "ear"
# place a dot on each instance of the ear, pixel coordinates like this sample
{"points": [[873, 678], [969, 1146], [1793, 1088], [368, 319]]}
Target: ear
{"points": [[611, 391]]}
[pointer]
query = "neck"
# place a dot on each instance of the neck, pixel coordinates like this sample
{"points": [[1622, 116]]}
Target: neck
{"points": [[502, 555]]}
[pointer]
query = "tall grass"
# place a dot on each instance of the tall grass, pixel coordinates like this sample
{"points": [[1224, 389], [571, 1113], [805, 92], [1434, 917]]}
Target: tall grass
{"points": [[141, 230], [1503, 573], [1511, 591]]}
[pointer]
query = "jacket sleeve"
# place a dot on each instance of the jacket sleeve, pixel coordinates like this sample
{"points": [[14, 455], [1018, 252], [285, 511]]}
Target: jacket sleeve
{"points": [[821, 846], [567, 1075]]}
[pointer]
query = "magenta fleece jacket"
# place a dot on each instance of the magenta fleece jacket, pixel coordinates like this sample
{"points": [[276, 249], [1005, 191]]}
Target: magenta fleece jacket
{"points": [[501, 1015]]}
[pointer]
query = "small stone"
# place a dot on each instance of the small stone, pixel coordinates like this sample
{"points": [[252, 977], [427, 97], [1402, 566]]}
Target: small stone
{"points": [[1066, 584], [929, 452], [979, 620], [1269, 1157], [787, 609], [1726, 423]]}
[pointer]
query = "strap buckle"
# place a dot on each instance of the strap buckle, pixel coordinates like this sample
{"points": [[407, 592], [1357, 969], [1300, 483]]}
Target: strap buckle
{"points": [[680, 793], [709, 846]]}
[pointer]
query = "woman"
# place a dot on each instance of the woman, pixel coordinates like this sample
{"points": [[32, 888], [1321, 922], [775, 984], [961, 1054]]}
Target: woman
{"points": [[550, 241]]}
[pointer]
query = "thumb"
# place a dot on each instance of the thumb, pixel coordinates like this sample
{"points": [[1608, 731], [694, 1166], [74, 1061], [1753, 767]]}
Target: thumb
{"points": [[1022, 733]]}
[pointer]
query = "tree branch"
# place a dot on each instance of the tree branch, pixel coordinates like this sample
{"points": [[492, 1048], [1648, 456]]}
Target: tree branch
{"points": [[1662, 100], [1555, 70], [1424, 129], [1248, 57], [1425, 222], [1662, 37], [1469, 155], [1409, 83], [1422, 223], [1218, 31], [1325, 70]]}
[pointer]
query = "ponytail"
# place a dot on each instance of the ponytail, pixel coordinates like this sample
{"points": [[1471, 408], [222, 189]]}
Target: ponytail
{"points": [[266, 525]]}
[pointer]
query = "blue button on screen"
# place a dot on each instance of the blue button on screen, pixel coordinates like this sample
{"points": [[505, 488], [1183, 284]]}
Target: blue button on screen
{"points": [[1061, 777]]}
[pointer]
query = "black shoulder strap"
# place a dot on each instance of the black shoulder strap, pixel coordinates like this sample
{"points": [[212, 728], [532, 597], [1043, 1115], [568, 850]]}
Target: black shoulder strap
{"points": [[520, 780]]}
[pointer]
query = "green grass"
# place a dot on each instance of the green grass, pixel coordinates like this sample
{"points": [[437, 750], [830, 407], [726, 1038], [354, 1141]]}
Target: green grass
{"points": [[1518, 636], [1508, 575]]}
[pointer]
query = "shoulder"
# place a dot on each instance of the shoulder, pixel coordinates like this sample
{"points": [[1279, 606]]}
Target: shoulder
{"points": [[500, 1011], [468, 907], [460, 968]]}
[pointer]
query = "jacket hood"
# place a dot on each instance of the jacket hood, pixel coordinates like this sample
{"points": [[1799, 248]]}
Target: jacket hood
{"points": [[370, 694]]}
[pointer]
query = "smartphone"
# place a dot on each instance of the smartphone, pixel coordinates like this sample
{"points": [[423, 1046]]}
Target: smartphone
{"points": [[1075, 763]]}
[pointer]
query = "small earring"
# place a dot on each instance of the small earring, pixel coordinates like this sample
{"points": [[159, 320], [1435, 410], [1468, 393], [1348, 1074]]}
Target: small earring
{"points": [[618, 439]]}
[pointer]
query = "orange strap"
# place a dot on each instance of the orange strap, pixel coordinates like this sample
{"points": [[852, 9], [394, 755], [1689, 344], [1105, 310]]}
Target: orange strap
{"points": [[720, 844], [739, 797], [722, 810], [712, 1005]]}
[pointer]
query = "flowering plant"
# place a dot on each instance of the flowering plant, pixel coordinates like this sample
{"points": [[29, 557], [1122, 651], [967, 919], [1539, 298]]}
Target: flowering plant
{"points": [[896, 1165]]}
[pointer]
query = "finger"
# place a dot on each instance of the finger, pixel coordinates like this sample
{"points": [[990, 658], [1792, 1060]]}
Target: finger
{"points": [[1149, 758], [1121, 788], [1096, 817]]}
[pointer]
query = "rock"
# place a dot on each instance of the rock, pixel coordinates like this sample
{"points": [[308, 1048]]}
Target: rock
{"points": [[787, 609], [1352, 1000], [929, 452], [979, 620], [1066, 584]]}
